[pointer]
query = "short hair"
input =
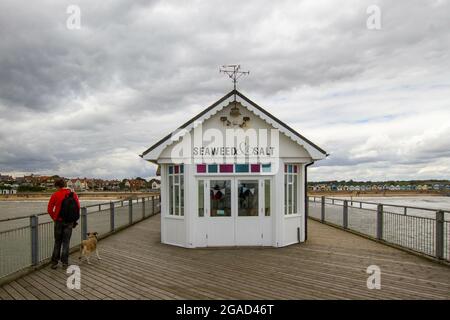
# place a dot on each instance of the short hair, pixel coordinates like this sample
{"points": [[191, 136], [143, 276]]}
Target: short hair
{"points": [[60, 183]]}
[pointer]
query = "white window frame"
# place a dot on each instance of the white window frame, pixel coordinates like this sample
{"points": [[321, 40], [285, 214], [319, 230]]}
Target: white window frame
{"points": [[203, 197], [178, 208], [288, 197]]}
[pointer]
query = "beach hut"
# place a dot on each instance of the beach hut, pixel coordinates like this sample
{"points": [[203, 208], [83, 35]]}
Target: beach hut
{"points": [[233, 175]]}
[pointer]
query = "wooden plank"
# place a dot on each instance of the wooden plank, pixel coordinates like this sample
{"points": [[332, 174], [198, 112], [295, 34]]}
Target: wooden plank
{"points": [[59, 280], [331, 265], [39, 294], [191, 273], [13, 292], [49, 288], [4, 295], [141, 274], [24, 292]]}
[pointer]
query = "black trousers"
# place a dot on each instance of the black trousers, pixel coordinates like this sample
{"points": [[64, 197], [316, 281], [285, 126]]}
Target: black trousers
{"points": [[63, 232]]}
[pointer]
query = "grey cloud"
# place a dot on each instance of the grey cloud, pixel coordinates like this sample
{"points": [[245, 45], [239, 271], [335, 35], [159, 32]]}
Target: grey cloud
{"points": [[68, 98]]}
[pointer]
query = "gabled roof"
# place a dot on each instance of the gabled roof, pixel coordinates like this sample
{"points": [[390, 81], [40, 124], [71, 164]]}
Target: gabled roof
{"points": [[218, 105]]}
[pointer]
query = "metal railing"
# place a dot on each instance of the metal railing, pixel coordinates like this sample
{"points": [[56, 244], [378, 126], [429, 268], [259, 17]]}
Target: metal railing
{"points": [[28, 241], [423, 230]]}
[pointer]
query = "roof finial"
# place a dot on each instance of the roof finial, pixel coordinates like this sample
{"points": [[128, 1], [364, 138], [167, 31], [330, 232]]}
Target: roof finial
{"points": [[233, 71]]}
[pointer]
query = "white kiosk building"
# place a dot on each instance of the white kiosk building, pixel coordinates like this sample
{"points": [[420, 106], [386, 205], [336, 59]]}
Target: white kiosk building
{"points": [[234, 175]]}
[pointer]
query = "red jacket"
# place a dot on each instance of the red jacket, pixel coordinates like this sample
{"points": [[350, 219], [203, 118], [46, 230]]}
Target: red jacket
{"points": [[54, 205]]}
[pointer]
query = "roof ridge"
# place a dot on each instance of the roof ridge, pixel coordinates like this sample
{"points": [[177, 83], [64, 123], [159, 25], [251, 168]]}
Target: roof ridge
{"points": [[229, 94], [184, 125], [280, 122]]}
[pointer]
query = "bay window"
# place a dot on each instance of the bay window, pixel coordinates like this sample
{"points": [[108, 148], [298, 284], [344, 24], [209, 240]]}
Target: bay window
{"points": [[290, 189], [176, 190]]}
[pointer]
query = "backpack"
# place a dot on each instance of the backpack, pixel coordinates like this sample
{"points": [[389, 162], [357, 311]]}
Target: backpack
{"points": [[69, 209]]}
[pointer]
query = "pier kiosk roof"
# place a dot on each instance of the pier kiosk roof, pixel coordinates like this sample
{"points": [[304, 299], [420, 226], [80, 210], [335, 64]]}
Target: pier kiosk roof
{"points": [[250, 192], [316, 152]]}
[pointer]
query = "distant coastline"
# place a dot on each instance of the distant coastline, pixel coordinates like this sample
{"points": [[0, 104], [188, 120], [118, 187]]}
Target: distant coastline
{"points": [[82, 195], [385, 193]]}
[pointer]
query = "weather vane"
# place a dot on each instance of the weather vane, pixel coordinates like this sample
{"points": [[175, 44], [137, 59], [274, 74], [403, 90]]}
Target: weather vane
{"points": [[233, 71]]}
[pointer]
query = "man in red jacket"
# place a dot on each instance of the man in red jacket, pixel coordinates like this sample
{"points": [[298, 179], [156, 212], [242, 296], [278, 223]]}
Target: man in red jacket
{"points": [[62, 230]]}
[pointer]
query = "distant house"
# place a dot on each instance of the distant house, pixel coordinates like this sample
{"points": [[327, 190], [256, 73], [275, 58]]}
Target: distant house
{"points": [[20, 180], [155, 184], [78, 184], [112, 185], [8, 191], [136, 184], [127, 184], [28, 180], [6, 178], [47, 182], [96, 184], [437, 186]]}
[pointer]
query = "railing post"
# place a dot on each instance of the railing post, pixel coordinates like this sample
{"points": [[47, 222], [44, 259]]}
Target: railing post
{"points": [[345, 215], [83, 223], [34, 222], [111, 216], [130, 211], [440, 234], [322, 210], [153, 205], [380, 222], [143, 208]]}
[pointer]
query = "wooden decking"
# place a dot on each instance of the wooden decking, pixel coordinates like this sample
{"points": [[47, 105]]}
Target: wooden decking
{"points": [[331, 265]]}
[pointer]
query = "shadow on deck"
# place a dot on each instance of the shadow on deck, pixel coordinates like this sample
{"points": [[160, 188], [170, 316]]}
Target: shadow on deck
{"points": [[330, 265]]}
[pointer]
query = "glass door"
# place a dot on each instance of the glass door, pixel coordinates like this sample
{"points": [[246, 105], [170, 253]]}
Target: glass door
{"points": [[249, 212], [220, 212], [237, 211]]}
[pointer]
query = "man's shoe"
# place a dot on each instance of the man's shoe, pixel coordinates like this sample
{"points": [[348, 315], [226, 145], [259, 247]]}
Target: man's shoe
{"points": [[54, 265], [65, 265]]}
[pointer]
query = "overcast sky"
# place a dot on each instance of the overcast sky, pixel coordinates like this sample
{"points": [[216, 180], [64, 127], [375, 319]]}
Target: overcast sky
{"points": [[87, 102]]}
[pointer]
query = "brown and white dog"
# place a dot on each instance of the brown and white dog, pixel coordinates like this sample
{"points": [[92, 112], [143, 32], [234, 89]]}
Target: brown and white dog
{"points": [[89, 246]]}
